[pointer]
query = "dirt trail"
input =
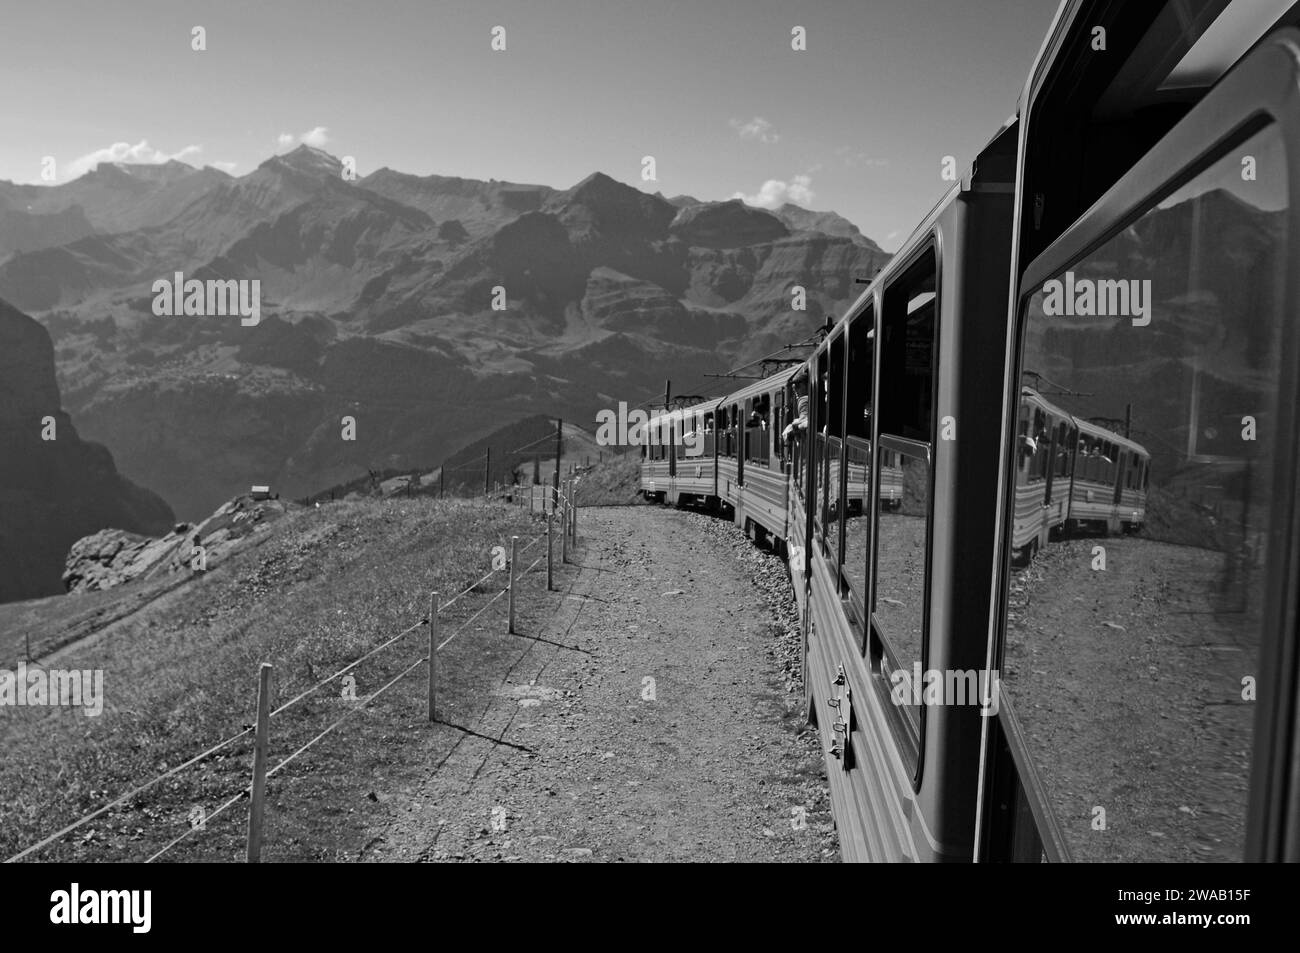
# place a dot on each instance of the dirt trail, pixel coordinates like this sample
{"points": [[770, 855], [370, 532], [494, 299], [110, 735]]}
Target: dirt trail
{"points": [[645, 717]]}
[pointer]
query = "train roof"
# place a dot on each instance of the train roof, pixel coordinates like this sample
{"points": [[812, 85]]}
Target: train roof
{"points": [[1087, 426], [703, 405], [1084, 425], [780, 379]]}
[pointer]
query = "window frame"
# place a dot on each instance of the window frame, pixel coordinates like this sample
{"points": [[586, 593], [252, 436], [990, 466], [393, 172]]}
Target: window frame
{"points": [[862, 322], [1261, 90], [909, 737]]}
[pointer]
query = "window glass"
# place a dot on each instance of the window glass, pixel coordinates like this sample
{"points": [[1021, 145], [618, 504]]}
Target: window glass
{"points": [[857, 438], [908, 355], [817, 475], [834, 447], [1134, 606]]}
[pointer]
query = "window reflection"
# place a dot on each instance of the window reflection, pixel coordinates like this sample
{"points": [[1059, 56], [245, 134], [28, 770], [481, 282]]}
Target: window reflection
{"points": [[1142, 508]]}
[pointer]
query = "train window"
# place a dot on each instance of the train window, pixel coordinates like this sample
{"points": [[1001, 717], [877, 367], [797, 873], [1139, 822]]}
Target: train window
{"points": [[776, 425], [832, 496], [754, 424], [903, 476], [817, 441], [858, 397], [760, 424], [1134, 618]]}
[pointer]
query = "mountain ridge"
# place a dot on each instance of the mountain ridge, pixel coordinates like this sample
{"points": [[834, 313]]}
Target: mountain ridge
{"points": [[382, 299]]}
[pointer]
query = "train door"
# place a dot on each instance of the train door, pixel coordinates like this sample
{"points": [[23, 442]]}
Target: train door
{"points": [[1120, 469], [1053, 448], [738, 438], [671, 424]]}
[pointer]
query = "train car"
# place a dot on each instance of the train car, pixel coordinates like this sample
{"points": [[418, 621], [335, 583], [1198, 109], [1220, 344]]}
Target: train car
{"points": [[904, 377], [1072, 476], [1099, 464], [1148, 704], [753, 479], [679, 454]]}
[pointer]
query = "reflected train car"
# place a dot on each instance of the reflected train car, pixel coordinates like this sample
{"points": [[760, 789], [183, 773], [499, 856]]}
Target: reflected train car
{"points": [[1073, 476]]}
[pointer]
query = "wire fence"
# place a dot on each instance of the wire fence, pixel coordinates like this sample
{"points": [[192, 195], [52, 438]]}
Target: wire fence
{"points": [[567, 520]]}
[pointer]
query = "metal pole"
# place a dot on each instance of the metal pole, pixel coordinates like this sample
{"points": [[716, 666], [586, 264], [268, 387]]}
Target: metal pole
{"points": [[487, 470], [433, 652], [573, 518], [550, 571], [559, 447], [514, 577], [442, 472], [257, 799]]}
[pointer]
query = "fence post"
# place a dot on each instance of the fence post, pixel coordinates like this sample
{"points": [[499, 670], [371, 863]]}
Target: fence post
{"points": [[573, 517], [514, 577], [550, 572], [433, 652], [562, 511], [257, 799]]}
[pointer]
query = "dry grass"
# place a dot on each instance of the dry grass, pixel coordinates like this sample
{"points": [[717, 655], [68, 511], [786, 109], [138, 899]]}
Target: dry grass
{"points": [[326, 586]]}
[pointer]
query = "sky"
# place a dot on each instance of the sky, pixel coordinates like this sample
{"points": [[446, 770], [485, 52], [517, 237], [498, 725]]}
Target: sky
{"points": [[858, 123]]}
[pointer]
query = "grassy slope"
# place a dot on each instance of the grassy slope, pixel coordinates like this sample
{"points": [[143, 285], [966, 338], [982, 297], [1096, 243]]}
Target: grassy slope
{"points": [[180, 673], [616, 481]]}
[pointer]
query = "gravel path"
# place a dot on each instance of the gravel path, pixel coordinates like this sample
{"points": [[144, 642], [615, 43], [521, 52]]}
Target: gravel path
{"points": [[650, 714]]}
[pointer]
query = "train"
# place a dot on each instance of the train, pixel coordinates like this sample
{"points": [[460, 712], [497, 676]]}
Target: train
{"points": [[1045, 556]]}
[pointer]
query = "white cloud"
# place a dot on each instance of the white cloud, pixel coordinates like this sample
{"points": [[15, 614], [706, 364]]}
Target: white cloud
{"points": [[316, 138], [224, 166], [853, 158], [774, 193], [141, 152], [756, 128]]}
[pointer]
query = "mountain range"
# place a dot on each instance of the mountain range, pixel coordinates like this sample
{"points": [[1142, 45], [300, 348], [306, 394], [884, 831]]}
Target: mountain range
{"points": [[377, 299]]}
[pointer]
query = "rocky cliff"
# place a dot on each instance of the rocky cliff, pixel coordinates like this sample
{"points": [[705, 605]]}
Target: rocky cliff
{"points": [[52, 491]]}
